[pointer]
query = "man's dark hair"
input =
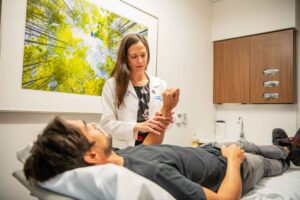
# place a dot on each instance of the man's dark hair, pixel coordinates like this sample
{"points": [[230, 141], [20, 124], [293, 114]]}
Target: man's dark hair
{"points": [[59, 148]]}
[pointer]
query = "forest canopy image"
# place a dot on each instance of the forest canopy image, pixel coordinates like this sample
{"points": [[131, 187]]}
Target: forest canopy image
{"points": [[71, 45]]}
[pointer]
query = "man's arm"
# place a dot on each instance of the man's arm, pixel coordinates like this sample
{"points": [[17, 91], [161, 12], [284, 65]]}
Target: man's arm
{"points": [[231, 187], [170, 100]]}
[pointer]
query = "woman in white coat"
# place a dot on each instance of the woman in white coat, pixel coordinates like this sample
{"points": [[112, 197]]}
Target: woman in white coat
{"points": [[131, 97]]}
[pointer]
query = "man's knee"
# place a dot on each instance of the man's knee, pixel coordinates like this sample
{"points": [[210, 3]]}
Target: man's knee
{"points": [[252, 171]]}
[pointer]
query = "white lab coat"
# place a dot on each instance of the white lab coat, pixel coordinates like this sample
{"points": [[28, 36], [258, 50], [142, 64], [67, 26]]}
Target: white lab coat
{"points": [[120, 122]]}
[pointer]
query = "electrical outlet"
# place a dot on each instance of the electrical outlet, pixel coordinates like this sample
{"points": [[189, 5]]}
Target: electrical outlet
{"points": [[180, 118]]}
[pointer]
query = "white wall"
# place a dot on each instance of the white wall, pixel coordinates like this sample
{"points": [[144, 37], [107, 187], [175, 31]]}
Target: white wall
{"points": [[233, 18], [184, 60], [259, 120]]}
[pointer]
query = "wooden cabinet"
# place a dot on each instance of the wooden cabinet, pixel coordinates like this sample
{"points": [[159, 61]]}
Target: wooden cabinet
{"points": [[273, 51], [231, 71], [256, 69]]}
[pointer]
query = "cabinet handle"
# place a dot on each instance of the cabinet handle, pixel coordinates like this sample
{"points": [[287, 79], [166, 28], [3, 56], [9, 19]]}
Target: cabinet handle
{"points": [[270, 72], [271, 95], [271, 83]]}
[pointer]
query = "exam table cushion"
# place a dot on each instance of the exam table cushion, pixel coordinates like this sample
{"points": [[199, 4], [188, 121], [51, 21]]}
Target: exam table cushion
{"points": [[36, 190]]}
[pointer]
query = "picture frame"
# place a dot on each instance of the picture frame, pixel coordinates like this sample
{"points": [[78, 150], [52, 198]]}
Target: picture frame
{"points": [[15, 99]]}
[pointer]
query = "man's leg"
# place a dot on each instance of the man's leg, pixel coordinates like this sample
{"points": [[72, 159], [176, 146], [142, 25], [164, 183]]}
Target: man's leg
{"points": [[255, 167], [260, 161], [268, 151]]}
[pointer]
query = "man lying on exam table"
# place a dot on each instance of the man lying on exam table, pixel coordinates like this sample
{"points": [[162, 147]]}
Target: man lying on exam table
{"points": [[208, 172]]}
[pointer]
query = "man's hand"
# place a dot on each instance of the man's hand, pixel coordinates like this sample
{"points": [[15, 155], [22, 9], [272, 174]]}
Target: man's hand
{"points": [[165, 116], [231, 186], [170, 99], [233, 152]]}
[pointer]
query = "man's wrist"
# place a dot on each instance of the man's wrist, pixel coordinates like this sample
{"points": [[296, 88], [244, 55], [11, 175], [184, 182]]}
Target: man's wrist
{"points": [[165, 111]]}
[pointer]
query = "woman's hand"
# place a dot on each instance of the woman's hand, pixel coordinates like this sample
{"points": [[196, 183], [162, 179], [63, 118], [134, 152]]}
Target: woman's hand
{"points": [[164, 119], [157, 125], [160, 122]]}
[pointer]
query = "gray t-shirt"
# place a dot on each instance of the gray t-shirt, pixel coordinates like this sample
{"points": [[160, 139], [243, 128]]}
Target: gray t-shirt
{"points": [[179, 170]]}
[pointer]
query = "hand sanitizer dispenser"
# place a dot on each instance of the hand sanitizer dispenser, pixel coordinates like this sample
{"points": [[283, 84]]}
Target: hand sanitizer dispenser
{"points": [[220, 130]]}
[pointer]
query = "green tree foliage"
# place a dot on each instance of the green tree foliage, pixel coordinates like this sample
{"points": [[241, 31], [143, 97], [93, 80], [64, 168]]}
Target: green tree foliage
{"points": [[71, 45]]}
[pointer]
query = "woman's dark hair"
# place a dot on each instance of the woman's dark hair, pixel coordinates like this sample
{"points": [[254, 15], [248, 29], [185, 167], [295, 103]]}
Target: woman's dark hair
{"points": [[121, 71], [59, 148]]}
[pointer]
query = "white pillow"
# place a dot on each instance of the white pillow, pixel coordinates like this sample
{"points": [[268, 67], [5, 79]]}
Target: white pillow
{"points": [[24, 152], [107, 181]]}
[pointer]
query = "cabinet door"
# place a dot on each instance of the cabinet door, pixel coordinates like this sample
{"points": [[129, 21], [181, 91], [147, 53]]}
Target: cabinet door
{"points": [[231, 71], [273, 51]]}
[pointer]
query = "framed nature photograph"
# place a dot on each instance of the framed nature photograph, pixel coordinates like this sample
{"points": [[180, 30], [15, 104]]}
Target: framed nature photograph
{"points": [[59, 54]]}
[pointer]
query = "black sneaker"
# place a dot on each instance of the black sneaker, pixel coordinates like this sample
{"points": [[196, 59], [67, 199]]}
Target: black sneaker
{"points": [[298, 132], [294, 143], [279, 137], [294, 156]]}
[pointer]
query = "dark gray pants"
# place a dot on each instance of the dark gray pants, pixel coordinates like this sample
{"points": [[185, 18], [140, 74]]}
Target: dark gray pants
{"points": [[260, 161]]}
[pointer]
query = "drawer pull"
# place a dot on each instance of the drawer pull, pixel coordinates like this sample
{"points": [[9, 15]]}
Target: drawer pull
{"points": [[270, 72], [271, 83], [271, 95]]}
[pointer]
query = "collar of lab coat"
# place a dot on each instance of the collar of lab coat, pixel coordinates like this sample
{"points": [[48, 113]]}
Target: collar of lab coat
{"points": [[152, 84]]}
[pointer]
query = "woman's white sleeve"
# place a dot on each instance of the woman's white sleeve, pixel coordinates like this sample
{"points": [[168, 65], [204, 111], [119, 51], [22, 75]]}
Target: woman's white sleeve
{"points": [[121, 130]]}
